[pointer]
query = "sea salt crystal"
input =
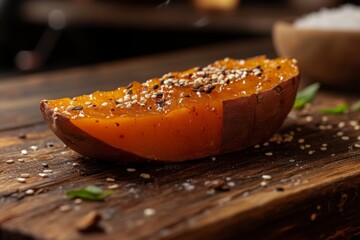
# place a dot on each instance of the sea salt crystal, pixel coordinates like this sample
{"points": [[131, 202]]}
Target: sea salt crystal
{"points": [[345, 17]]}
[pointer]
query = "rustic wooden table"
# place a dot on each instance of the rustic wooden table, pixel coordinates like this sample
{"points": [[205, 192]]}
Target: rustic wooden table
{"points": [[313, 193]]}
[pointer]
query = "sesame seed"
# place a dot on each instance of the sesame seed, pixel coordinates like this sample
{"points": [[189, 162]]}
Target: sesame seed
{"points": [[113, 186], [324, 145], [24, 152], [213, 158], [323, 148], [324, 118], [357, 145], [145, 175], [75, 164], [340, 133], [358, 138], [307, 146], [65, 208], [29, 192], [25, 175], [78, 200], [104, 104], [301, 140], [87, 103], [311, 152], [70, 108], [309, 118], [43, 175], [131, 169], [10, 161], [21, 180], [341, 124], [110, 179], [263, 184], [47, 171], [21, 160], [257, 146], [266, 177], [292, 160], [56, 109], [345, 138], [34, 148], [268, 153], [127, 98], [148, 212]]}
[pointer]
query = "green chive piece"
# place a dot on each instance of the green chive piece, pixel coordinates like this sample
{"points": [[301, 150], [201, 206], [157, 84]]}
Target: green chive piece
{"points": [[340, 109], [91, 192], [306, 95]]}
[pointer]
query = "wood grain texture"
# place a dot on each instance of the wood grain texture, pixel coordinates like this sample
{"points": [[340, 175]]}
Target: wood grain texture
{"points": [[310, 196]]}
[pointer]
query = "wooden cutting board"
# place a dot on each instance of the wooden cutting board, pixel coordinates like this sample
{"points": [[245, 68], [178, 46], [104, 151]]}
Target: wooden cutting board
{"points": [[307, 187]]}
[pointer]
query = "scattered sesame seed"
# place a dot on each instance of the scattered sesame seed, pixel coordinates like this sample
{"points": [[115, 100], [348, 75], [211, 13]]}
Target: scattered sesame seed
{"points": [[43, 175], [10, 161], [29, 192], [145, 175], [78, 200], [25, 175], [48, 171], [263, 184], [113, 186], [266, 177], [257, 146], [188, 187], [213, 158], [75, 164], [309, 118], [268, 153], [34, 148], [340, 133], [131, 169], [307, 145], [323, 148], [21, 160], [110, 179], [341, 124], [292, 160], [324, 145], [104, 104], [148, 212], [311, 152], [65, 208], [45, 165], [313, 217], [357, 145], [324, 118], [21, 180], [24, 152], [301, 140], [345, 138]]}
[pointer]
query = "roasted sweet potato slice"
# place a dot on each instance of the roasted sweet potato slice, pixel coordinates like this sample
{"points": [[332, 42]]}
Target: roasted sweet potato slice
{"points": [[223, 107]]}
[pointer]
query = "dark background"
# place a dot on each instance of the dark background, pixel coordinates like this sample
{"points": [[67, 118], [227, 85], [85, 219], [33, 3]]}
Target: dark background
{"points": [[111, 36]]}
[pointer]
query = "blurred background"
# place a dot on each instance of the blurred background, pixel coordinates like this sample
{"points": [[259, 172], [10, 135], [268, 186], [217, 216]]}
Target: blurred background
{"points": [[37, 35]]}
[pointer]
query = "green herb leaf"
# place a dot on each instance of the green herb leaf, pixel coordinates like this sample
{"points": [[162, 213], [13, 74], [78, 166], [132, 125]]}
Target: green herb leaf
{"points": [[306, 95], [90, 192], [337, 110], [356, 106]]}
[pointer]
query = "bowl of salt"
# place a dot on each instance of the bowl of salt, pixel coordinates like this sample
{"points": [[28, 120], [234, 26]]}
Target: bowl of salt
{"points": [[326, 44]]}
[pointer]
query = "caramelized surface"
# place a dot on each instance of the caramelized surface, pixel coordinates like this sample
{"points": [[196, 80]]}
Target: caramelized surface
{"points": [[177, 116]]}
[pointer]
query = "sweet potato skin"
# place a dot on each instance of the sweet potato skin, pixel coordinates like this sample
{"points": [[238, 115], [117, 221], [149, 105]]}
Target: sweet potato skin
{"points": [[254, 119], [81, 141]]}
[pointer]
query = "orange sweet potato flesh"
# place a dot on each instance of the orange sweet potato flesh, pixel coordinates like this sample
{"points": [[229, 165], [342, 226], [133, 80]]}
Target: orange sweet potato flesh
{"points": [[226, 106]]}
